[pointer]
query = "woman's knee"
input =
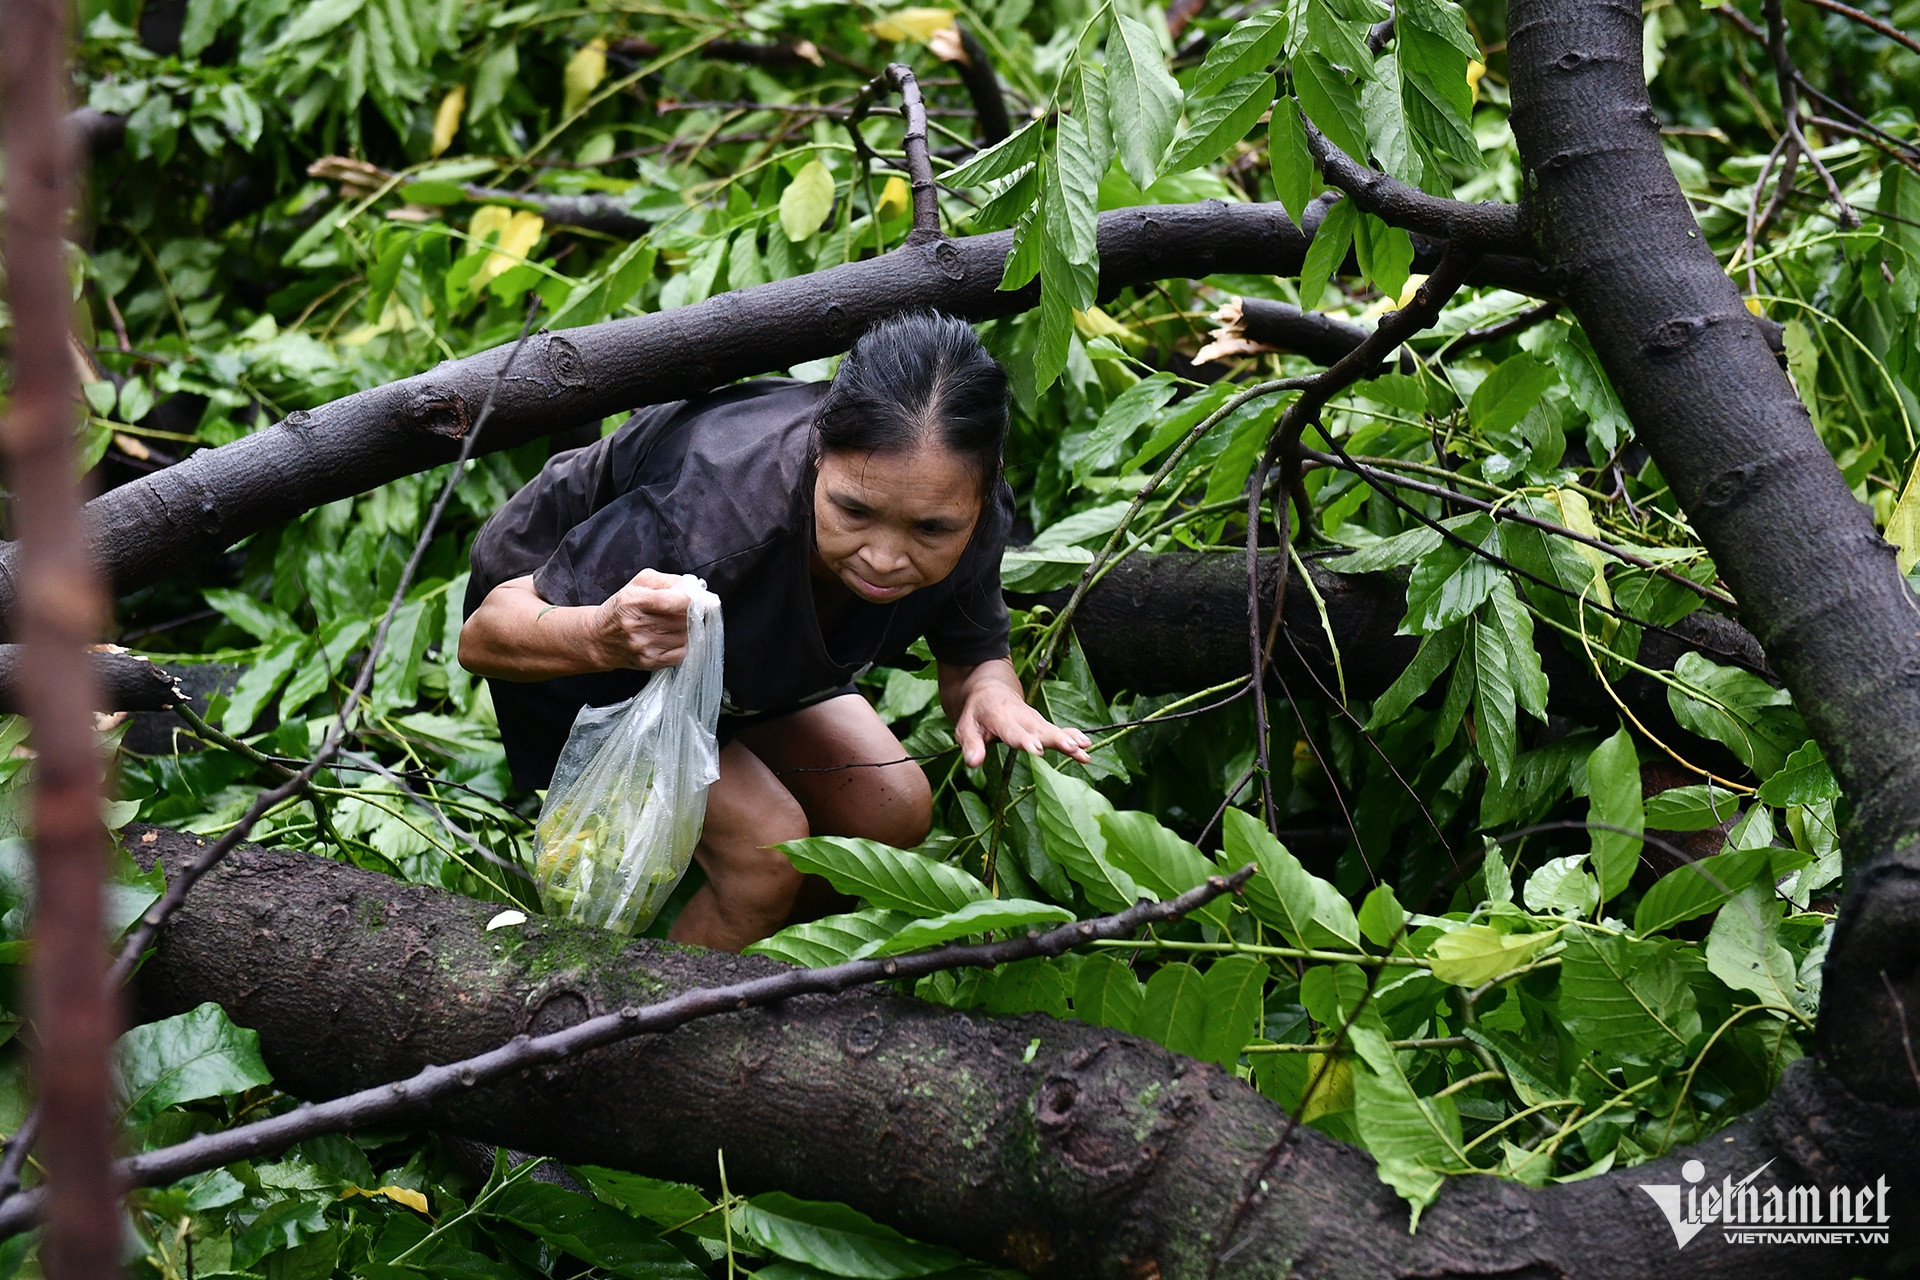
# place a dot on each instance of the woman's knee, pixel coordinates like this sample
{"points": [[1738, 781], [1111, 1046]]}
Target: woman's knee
{"points": [[900, 807]]}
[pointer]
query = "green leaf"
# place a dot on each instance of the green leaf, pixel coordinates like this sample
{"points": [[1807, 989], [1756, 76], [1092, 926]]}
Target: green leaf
{"points": [[1036, 985], [1222, 120], [884, 875], [831, 939], [1475, 954], [1331, 103], [1384, 253], [252, 615], [193, 1055], [1106, 994], [1308, 911], [1587, 384], [1753, 719], [1070, 812], [1416, 1140], [317, 20], [1125, 414], [1388, 553], [1513, 626], [1340, 40], [1805, 778], [1295, 180], [1381, 917], [1613, 797], [1562, 887], [1436, 652], [1143, 102], [1555, 559], [1008, 914], [1509, 393], [1697, 888], [1159, 860], [669, 1204], [1451, 581], [1621, 996], [807, 201], [1246, 50], [1002, 159], [592, 1232], [837, 1239], [434, 192], [1235, 988], [1326, 252], [1174, 1011], [1692, 808], [1744, 951], [260, 682]]}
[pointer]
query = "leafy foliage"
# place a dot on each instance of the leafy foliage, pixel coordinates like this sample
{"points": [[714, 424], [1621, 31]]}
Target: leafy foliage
{"points": [[312, 200]]}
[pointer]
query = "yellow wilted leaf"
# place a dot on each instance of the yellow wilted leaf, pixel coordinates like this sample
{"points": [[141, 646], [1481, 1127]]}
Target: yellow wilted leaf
{"points": [[446, 121], [1475, 70], [1095, 323], [807, 201], [1903, 526], [518, 232], [585, 70], [912, 24], [1336, 1088], [1475, 953], [893, 199], [1579, 517], [399, 1195], [1753, 305]]}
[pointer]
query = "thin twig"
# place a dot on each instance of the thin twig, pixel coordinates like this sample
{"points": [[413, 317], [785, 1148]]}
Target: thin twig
{"points": [[1906, 1039], [388, 1102]]}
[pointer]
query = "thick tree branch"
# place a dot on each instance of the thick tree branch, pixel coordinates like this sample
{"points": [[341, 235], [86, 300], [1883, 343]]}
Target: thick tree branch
{"points": [[1064, 1149], [926, 198], [384, 1104], [1491, 228], [163, 522], [1815, 581]]}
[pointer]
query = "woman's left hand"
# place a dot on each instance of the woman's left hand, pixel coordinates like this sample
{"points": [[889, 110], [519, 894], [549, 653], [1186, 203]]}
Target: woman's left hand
{"points": [[994, 711]]}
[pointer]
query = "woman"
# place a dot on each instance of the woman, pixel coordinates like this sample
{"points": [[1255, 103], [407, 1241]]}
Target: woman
{"points": [[838, 523]]}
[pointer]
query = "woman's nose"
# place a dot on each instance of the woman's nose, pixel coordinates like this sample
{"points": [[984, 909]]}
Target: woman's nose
{"points": [[885, 555]]}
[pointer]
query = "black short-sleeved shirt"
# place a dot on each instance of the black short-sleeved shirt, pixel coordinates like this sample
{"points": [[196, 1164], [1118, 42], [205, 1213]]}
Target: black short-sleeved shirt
{"points": [[720, 487]]}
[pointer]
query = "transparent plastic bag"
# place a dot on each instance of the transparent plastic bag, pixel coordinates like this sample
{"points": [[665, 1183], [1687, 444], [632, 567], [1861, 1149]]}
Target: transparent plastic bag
{"points": [[630, 792]]}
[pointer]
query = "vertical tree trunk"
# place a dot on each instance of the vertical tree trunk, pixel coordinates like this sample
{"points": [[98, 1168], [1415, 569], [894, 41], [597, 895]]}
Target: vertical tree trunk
{"points": [[61, 611]]}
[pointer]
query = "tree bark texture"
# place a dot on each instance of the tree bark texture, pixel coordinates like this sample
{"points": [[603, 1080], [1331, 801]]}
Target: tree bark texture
{"points": [[1815, 580], [1064, 1149], [122, 681]]}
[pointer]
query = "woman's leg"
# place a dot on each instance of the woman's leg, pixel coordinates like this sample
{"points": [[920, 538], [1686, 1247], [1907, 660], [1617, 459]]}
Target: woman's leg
{"points": [[891, 803], [762, 799], [750, 887]]}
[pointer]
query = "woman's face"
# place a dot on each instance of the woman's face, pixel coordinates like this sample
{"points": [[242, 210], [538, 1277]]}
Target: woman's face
{"points": [[885, 524]]}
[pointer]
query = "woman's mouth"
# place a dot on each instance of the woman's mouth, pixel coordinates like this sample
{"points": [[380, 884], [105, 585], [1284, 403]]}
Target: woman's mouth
{"points": [[873, 591]]}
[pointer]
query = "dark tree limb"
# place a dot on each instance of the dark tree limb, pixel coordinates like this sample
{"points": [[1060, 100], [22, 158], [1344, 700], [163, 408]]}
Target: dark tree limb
{"points": [[163, 522], [975, 66], [926, 197], [438, 1083], [1491, 228], [1090, 1153], [1176, 622], [1815, 580], [122, 682]]}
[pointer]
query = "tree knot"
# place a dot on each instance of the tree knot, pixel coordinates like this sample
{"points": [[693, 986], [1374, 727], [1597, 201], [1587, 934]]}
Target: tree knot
{"points": [[438, 412], [1674, 336], [864, 1036], [564, 363]]}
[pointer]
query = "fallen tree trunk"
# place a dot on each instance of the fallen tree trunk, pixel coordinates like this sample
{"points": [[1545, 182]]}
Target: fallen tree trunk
{"points": [[1175, 622], [163, 522], [1057, 1147]]}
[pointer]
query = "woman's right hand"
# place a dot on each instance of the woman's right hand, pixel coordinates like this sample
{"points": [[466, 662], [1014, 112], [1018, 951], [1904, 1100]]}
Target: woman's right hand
{"points": [[643, 625]]}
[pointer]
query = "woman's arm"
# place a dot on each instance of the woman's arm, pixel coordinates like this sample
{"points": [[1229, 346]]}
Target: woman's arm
{"points": [[515, 635], [985, 703]]}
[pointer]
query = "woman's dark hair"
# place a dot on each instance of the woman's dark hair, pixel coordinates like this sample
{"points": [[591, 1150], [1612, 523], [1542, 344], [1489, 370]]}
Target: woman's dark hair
{"points": [[913, 378]]}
